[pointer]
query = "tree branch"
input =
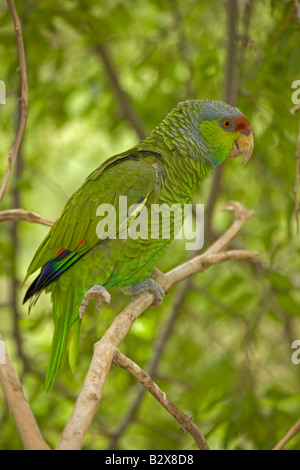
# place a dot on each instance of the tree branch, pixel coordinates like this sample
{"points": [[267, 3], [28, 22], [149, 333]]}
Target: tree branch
{"points": [[24, 96], [185, 421], [104, 350], [24, 418], [295, 109], [289, 435], [17, 215]]}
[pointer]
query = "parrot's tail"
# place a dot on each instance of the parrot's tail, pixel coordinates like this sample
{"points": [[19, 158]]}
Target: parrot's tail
{"points": [[66, 333]]}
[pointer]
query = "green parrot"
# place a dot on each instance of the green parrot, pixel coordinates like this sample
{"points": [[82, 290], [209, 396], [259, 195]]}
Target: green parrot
{"points": [[80, 259]]}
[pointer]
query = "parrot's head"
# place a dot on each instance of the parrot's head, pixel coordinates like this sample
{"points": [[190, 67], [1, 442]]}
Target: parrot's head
{"points": [[213, 130]]}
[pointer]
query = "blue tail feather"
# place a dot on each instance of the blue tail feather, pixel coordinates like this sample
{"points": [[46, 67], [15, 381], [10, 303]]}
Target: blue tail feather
{"points": [[51, 271]]}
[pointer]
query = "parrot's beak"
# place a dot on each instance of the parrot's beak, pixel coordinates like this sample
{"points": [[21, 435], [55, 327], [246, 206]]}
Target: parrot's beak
{"points": [[243, 146]]}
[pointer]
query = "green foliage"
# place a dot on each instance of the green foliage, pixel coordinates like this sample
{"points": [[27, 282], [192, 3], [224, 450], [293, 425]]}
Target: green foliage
{"points": [[227, 361]]}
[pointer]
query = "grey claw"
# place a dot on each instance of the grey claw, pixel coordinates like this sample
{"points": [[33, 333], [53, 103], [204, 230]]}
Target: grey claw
{"points": [[148, 285], [95, 291]]}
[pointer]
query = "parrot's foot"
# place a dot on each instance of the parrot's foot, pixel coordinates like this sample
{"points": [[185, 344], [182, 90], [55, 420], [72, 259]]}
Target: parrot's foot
{"points": [[150, 285], [95, 291]]}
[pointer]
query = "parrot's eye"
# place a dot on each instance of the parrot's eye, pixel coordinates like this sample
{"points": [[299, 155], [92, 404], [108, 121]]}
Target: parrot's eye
{"points": [[227, 124]]}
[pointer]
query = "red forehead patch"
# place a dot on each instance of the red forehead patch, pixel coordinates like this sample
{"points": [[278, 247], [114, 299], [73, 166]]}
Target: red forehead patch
{"points": [[241, 123]]}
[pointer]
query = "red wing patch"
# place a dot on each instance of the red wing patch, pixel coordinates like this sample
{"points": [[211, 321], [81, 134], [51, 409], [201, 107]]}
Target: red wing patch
{"points": [[80, 243]]}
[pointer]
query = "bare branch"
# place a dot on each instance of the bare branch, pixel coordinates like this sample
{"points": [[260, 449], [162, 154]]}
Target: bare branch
{"points": [[202, 263], [185, 421], [17, 215], [24, 97], [104, 350], [289, 435], [24, 418], [295, 109]]}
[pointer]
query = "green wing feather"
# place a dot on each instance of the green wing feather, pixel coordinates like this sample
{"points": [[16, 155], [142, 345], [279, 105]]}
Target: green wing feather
{"points": [[78, 221]]}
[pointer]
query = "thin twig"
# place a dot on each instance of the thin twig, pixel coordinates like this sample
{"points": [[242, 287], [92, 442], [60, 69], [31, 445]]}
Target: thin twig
{"points": [[24, 418], [185, 421], [91, 392], [17, 215], [24, 97], [289, 435], [295, 109]]}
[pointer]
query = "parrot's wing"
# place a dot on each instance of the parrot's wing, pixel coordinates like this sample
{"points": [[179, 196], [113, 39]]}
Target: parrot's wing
{"points": [[76, 231]]}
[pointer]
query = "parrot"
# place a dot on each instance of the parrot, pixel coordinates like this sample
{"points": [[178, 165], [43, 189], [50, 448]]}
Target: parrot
{"points": [[80, 260]]}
